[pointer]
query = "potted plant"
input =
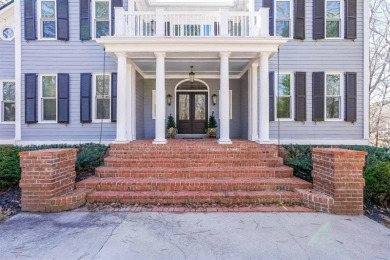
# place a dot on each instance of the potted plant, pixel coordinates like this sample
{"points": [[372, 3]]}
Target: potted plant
{"points": [[212, 126], [171, 126]]}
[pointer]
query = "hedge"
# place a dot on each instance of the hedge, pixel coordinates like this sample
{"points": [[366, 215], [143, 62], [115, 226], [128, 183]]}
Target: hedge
{"points": [[89, 156]]}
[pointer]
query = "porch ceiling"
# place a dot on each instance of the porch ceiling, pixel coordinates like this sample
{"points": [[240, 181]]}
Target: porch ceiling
{"points": [[206, 68]]}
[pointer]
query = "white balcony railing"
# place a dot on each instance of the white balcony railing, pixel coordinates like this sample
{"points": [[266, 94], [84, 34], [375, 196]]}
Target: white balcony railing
{"points": [[192, 24]]}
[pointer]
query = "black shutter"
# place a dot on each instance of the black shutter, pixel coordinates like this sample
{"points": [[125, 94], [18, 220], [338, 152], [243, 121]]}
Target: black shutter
{"points": [[270, 5], [300, 96], [30, 32], [167, 28], [30, 98], [299, 19], [318, 90], [85, 20], [350, 96], [113, 96], [350, 19], [114, 3], [318, 19], [85, 97], [216, 29], [63, 98], [62, 20], [271, 96]]}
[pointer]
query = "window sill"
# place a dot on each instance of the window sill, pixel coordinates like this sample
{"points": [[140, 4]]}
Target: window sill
{"points": [[284, 119], [47, 122], [98, 121], [7, 123], [334, 120]]}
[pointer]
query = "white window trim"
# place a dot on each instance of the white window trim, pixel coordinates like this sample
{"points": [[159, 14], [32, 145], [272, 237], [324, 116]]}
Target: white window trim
{"points": [[94, 114], [291, 18], [40, 103], [341, 20], [292, 96], [93, 26], [40, 21], [153, 104], [230, 104], [341, 118], [2, 100], [2, 36]]}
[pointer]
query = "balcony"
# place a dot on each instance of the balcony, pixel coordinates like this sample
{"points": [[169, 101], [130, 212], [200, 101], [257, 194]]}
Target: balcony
{"points": [[162, 23]]}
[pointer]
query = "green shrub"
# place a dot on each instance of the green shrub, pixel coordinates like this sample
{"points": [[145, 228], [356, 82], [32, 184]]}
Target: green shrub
{"points": [[9, 166], [89, 156], [377, 187]]}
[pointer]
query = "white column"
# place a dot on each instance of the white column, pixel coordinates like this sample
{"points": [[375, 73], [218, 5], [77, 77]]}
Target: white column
{"points": [[264, 98], [224, 137], [129, 102], [121, 99], [254, 102], [134, 104], [160, 99]]}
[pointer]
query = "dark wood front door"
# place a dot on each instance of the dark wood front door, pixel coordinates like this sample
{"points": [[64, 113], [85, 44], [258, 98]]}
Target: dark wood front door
{"points": [[191, 112]]}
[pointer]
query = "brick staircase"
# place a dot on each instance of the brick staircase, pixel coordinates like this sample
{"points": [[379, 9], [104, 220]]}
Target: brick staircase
{"points": [[194, 171]]}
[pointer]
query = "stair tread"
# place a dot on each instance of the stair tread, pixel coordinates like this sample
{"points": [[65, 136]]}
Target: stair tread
{"points": [[213, 168], [113, 158]]}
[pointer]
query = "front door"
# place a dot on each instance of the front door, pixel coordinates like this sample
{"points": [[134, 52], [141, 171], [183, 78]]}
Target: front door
{"points": [[191, 112]]}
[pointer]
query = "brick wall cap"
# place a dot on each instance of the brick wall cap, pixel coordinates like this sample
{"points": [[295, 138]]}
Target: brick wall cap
{"points": [[339, 151], [48, 152]]}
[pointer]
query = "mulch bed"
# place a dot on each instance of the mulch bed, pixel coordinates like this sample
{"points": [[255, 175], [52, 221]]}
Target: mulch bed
{"points": [[379, 214], [9, 203]]}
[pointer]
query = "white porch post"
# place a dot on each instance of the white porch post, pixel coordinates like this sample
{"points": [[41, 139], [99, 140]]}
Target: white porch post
{"points": [[121, 99], [224, 100], [264, 98], [160, 99], [129, 102], [254, 135]]}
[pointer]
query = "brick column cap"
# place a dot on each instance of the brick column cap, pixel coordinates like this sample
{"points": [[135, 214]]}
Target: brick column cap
{"points": [[48, 152], [338, 151]]}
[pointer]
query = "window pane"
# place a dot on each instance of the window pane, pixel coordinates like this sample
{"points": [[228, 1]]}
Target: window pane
{"points": [[103, 108], [48, 9], [9, 112], [102, 10], [283, 107], [102, 87], [8, 33], [8, 91], [184, 107], [333, 107], [283, 28], [284, 85], [49, 109], [333, 9], [49, 86], [200, 107], [102, 28], [283, 10], [48, 29], [333, 29], [332, 85]]}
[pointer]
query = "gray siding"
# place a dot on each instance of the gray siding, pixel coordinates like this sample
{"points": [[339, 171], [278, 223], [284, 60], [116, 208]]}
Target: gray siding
{"points": [[140, 107], [149, 123], [323, 55], [7, 72], [244, 106], [73, 57]]}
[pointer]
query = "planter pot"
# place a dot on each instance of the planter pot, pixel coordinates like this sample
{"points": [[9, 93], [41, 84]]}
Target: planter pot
{"points": [[171, 133], [212, 132]]}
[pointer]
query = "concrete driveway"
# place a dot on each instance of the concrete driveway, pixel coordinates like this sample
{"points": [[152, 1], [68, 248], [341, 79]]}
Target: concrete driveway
{"points": [[148, 235]]}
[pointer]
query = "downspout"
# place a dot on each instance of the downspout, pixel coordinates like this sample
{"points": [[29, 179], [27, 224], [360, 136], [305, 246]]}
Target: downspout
{"points": [[18, 71]]}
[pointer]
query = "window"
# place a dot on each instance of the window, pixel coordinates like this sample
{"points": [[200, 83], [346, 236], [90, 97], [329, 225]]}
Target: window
{"points": [[7, 34], [48, 93], [283, 18], [283, 96], [7, 96], [48, 17], [102, 101], [333, 96], [333, 19], [101, 18]]}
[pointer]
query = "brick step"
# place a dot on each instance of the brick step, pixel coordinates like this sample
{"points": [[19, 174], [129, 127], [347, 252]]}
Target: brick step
{"points": [[193, 154], [195, 172], [222, 184], [187, 197], [180, 163]]}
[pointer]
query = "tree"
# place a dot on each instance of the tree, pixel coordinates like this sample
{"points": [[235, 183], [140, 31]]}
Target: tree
{"points": [[379, 68]]}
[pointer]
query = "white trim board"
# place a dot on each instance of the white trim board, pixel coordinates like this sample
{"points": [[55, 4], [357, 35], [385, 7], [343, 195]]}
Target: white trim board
{"points": [[322, 141], [70, 142]]}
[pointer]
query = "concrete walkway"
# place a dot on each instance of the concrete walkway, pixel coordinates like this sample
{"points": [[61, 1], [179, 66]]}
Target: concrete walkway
{"points": [[147, 235]]}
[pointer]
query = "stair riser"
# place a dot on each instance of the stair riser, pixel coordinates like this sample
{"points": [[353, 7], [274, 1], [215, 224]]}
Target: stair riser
{"points": [[194, 186], [191, 155], [194, 200], [173, 164], [207, 175]]}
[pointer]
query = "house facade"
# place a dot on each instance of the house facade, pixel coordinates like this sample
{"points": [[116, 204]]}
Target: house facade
{"points": [[280, 71]]}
